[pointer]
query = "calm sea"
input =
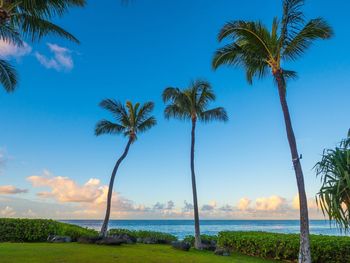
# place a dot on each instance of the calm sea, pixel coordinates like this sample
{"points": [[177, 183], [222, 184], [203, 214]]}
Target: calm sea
{"points": [[181, 228]]}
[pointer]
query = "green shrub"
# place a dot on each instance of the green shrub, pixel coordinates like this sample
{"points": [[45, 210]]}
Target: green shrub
{"points": [[324, 249], [204, 238], [158, 237], [38, 230], [119, 231]]}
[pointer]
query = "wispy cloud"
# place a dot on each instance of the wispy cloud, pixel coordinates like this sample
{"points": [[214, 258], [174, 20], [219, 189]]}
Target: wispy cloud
{"points": [[3, 159], [11, 51], [209, 207], [10, 189], [61, 60]]}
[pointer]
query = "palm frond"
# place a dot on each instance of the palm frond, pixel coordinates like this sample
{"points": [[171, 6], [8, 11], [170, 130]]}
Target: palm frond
{"points": [[132, 110], [286, 76], [253, 35], [36, 27], [48, 9], [334, 195], [254, 67], [115, 107], [252, 49], [292, 20], [144, 112], [146, 124], [170, 93], [230, 54], [192, 103], [204, 94], [176, 111], [217, 114], [315, 29], [8, 76], [9, 34], [131, 118], [107, 127]]}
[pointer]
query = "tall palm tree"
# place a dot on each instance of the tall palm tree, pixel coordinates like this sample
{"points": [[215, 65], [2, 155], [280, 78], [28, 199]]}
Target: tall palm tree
{"points": [[192, 104], [130, 120], [261, 51], [334, 195], [29, 19]]}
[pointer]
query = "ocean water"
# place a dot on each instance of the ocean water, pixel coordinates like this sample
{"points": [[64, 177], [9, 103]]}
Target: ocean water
{"points": [[181, 228]]}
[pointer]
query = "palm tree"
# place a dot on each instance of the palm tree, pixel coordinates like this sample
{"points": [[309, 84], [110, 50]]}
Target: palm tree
{"points": [[261, 51], [130, 120], [334, 195], [30, 19], [192, 104]]}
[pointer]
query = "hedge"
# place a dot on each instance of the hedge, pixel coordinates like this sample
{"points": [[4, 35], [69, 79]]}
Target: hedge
{"points": [[38, 230], [159, 237], [324, 249]]}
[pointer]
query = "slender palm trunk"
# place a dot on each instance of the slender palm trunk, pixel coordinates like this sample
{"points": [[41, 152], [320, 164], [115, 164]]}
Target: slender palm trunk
{"points": [[104, 228], [197, 236], [304, 251]]}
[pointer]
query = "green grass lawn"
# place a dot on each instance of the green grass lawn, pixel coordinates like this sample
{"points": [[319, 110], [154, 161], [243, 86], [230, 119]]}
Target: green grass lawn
{"points": [[81, 253]]}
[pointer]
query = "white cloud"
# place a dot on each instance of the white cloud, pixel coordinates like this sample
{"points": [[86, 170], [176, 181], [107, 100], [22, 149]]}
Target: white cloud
{"points": [[8, 50], [88, 200], [244, 203], [271, 203], [311, 203], [61, 60], [64, 189], [10, 189], [7, 212]]}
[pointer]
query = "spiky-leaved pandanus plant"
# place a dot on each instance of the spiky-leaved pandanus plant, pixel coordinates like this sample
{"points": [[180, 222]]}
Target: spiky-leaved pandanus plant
{"points": [[262, 51], [192, 104], [130, 120], [334, 195], [29, 19]]}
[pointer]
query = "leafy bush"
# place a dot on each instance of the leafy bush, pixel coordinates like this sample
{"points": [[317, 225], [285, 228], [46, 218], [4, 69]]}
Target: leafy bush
{"points": [[204, 239], [37, 230], [120, 231], [157, 237], [324, 249]]}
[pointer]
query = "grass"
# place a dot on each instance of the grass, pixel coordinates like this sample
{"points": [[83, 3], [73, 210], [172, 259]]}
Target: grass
{"points": [[77, 253]]}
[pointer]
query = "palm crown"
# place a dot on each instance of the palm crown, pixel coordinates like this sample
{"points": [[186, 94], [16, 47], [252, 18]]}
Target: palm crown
{"points": [[29, 19], [130, 119], [192, 103], [257, 49]]}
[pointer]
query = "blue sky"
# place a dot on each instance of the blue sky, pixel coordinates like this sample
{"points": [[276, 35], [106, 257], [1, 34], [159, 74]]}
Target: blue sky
{"points": [[132, 53]]}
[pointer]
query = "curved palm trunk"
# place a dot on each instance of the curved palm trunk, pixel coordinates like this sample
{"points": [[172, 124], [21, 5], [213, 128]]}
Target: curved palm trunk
{"points": [[197, 242], [104, 228], [304, 251]]}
